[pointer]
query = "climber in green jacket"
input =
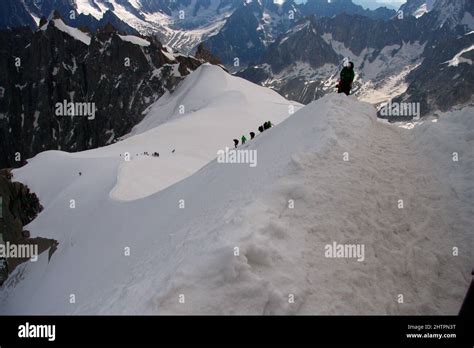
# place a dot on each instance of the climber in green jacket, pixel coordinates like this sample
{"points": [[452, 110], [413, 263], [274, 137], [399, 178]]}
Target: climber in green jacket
{"points": [[244, 139]]}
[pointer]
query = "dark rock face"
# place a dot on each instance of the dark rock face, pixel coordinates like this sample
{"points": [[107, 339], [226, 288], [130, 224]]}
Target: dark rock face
{"points": [[239, 38], [302, 43], [14, 14], [203, 53], [19, 208], [439, 85], [358, 32], [92, 24], [253, 27], [250, 29], [18, 201], [42, 68]]}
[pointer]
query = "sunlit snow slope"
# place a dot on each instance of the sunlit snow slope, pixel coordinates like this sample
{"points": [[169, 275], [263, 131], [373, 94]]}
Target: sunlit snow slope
{"points": [[190, 250], [206, 112]]}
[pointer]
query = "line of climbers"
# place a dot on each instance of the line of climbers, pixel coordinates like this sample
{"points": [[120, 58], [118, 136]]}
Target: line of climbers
{"points": [[153, 154], [261, 129]]}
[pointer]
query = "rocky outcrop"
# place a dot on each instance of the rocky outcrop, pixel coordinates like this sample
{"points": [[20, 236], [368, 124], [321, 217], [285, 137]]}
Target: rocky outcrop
{"points": [[203, 53], [14, 14], [19, 207], [239, 38]]}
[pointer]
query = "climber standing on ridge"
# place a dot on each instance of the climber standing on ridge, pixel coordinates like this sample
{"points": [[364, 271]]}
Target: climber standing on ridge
{"points": [[244, 139], [236, 142], [347, 76], [252, 135]]}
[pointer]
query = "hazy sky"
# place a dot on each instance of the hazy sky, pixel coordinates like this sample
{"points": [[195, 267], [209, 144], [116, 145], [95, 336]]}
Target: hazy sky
{"points": [[372, 4], [377, 3]]}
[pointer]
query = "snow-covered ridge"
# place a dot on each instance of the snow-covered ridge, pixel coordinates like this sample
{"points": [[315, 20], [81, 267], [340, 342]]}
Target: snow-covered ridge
{"points": [[424, 8], [200, 25], [203, 115], [457, 59], [73, 32], [135, 40], [343, 170], [281, 251]]}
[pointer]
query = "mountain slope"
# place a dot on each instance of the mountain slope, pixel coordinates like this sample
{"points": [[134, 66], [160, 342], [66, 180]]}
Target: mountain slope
{"points": [[231, 107], [181, 24], [14, 14], [306, 68], [417, 8], [405, 59], [190, 252], [118, 75], [250, 29]]}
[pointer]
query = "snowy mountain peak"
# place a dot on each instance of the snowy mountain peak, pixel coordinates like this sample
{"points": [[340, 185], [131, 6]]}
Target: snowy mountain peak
{"points": [[55, 20], [417, 8]]}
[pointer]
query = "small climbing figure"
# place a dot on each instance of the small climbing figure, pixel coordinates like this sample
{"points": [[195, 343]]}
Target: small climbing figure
{"points": [[244, 139], [260, 129], [267, 125], [236, 142], [346, 78], [252, 135]]}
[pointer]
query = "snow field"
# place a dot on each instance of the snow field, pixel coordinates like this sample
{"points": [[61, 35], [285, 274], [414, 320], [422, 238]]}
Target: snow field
{"points": [[190, 249]]}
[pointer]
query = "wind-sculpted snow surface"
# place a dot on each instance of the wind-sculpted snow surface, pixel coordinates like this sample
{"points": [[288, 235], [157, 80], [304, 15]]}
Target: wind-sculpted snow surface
{"points": [[236, 239], [201, 117]]}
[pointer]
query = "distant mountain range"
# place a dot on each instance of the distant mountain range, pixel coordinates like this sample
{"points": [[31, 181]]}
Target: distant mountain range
{"points": [[426, 59], [183, 24]]}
